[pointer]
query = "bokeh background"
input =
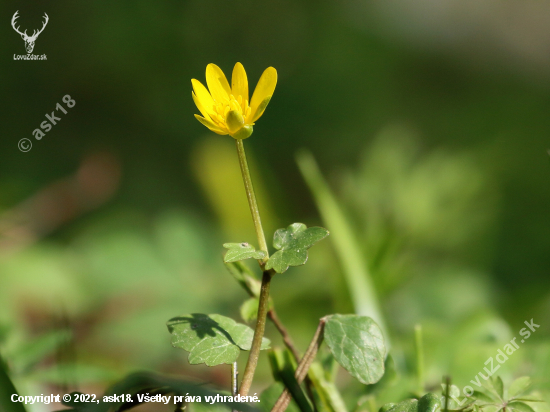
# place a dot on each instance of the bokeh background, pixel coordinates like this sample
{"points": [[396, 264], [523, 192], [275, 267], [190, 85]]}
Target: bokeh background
{"points": [[428, 119]]}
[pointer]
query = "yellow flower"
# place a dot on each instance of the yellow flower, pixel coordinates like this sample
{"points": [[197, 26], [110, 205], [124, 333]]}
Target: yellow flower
{"points": [[226, 110]]}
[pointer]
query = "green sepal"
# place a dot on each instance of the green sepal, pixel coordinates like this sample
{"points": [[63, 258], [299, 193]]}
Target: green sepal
{"points": [[244, 132], [234, 121]]}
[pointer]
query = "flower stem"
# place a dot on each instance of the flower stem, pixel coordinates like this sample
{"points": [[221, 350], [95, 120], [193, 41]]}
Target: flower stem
{"points": [[263, 305], [251, 198], [258, 335], [303, 366]]}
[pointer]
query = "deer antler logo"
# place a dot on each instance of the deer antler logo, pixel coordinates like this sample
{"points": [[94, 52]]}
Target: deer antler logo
{"points": [[29, 40]]}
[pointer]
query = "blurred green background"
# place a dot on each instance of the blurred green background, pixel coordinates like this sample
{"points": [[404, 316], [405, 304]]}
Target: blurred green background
{"points": [[429, 119]]}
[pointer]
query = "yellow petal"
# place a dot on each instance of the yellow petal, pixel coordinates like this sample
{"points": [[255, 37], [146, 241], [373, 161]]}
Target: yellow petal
{"points": [[264, 90], [210, 125], [217, 83], [203, 96], [239, 82], [201, 108], [260, 110]]}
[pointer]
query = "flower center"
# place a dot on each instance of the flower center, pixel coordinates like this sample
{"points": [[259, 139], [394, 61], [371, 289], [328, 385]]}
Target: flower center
{"points": [[231, 114]]}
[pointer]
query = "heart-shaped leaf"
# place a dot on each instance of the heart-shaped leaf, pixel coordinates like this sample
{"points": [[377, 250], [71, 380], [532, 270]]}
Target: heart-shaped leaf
{"points": [[292, 244], [241, 251], [211, 339], [358, 345]]}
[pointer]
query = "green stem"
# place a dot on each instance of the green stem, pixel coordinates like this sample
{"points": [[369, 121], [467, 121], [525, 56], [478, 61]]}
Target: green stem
{"points": [[447, 391], [263, 305], [251, 198], [254, 355], [419, 358]]}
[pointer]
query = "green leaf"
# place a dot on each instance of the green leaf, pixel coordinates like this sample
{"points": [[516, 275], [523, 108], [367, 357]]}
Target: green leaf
{"points": [[326, 394], [241, 251], [483, 397], [242, 274], [454, 393], [270, 396], [249, 309], [389, 378], [292, 244], [330, 366], [6, 391], [348, 249], [519, 386], [499, 386], [30, 353], [387, 407], [410, 405], [211, 339], [284, 368], [358, 345], [520, 407], [428, 403]]}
